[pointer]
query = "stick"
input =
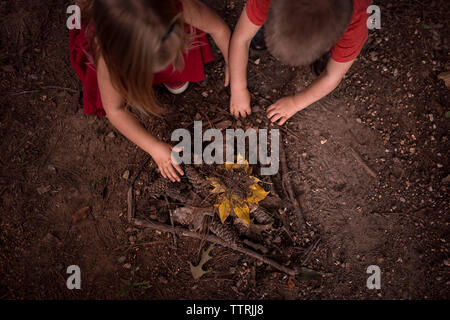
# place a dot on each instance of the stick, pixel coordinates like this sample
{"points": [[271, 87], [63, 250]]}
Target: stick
{"points": [[214, 239], [286, 182], [362, 163], [171, 222], [130, 201], [130, 196]]}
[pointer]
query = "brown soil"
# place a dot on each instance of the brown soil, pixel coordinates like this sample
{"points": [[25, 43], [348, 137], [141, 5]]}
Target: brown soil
{"points": [[369, 163]]}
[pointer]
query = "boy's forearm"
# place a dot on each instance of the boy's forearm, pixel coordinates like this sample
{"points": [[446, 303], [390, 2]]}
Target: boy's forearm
{"points": [[317, 90], [238, 62]]}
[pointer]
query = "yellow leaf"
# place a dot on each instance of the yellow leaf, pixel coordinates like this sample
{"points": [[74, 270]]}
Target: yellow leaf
{"points": [[258, 193], [241, 163], [224, 209], [241, 209], [215, 183]]}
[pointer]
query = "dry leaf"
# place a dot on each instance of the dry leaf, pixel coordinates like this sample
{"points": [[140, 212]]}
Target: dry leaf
{"points": [[224, 209], [291, 284], [241, 209], [258, 194], [80, 214], [215, 183], [197, 271], [446, 77]]}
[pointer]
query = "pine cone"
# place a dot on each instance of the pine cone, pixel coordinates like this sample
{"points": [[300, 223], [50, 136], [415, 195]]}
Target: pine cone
{"points": [[159, 187], [163, 187], [224, 232], [261, 216], [198, 182]]}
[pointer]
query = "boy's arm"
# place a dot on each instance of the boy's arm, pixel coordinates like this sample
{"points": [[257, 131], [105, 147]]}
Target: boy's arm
{"points": [[286, 107], [202, 17], [130, 127], [240, 43]]}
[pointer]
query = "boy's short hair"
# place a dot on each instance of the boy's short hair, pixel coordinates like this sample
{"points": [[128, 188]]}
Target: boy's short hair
{"points": [[300, 31]]}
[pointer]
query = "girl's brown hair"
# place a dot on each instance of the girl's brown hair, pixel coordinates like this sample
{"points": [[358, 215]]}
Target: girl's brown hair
{"points": [[136, 39]]}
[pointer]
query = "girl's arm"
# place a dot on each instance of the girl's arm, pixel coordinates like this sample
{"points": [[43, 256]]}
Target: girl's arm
{"points": [[201, 17], [130, 127], [240, 44], [286, 107]]}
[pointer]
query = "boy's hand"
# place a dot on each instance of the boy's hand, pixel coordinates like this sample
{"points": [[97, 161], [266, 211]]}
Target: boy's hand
{"points": [[240, 103], [162, 154], [282, 110]]}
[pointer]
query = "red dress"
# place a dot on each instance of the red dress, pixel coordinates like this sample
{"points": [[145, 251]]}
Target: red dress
{"points": [[83, 64]]}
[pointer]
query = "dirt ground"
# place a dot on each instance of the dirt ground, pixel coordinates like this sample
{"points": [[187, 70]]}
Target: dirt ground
{"points": [[370, 165]]}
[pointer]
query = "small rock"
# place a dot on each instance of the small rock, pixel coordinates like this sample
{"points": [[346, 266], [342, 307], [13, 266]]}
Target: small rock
{"points": [[51, 168], [402, 199], [127, 265], [126, 175], [111, 135], [257, 61], [122, 259], [256, 109], [198, 117], [43, 190], [205, 94]]}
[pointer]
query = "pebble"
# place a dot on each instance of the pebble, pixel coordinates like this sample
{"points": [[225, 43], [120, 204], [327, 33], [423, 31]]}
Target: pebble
{"points": [[43, 190], [111, 135], [126, 175]]}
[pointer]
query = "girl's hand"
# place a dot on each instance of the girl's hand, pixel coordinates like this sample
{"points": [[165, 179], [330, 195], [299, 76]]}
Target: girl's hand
{"points": [[282, 110], [240, 103], [162, 154]]}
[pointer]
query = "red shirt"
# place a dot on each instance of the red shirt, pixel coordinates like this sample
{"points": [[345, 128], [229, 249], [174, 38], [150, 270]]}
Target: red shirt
{"points": [[351, 42]]}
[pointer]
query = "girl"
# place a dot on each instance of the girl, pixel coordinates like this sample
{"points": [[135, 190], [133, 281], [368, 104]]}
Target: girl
{"points": [[126, 46]]}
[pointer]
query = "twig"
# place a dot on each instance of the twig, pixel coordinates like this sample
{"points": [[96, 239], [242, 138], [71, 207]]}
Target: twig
{"points": [[214, 239], [287, 186], [171, 222], [13, 94], [130, 195], [362, 163], [130, 201], [310, 252]]}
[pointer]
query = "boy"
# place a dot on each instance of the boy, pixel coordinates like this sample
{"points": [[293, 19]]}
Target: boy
{"points": [[298, 32]]}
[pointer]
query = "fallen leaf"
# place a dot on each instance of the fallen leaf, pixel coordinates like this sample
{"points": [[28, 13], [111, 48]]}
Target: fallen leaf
{"points": [[224, 209], [80, 214], [446, 77], [258, 193], [224, 125], [291, 283], [215, 183], [197, 271], [241, 209]]}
